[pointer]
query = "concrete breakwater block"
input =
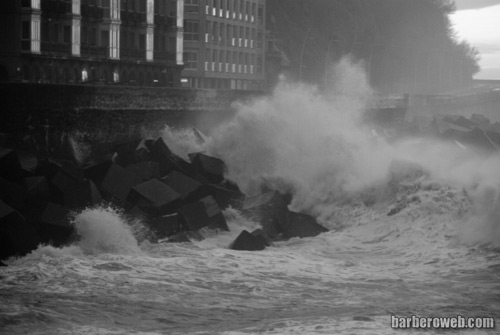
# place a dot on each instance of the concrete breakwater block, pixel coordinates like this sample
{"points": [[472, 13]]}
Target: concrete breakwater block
{"points": [[211, 168], [125, 152], [118, 182], [154, 197], [16, 236], [10, 168], [302, 225], [189, 189], [38, 187], [165, 226], [97, 170], [145, 171], [172, 197], [202, 213], [12, 194], [249, 242], [270, 210], [226, 197], [54, 226], [81, 195], [168, 160]]}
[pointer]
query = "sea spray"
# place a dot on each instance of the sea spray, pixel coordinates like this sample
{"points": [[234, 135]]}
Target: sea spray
{"points": [[104, 230], [181, 141], [315, 146]]}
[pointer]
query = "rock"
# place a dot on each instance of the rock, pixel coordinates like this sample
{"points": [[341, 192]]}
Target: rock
{"points": [[202, 213], [154, 197], [81, 195], [16, 236], [405, 171], [302, 225], [28, 162], [225, 197], [38, 187], [145, 170], [209, 167], [12, 194], [268, 209], [55, 227], [2, 264], [480, 119], [200, 137], [165, 226], [478, 138], [259, 233], [118, 182], [168, 160], [249, 242], [67, 178], [189, 189], [96, 171], [10, 168], [185, 236], [126, 152], [142, 152]]}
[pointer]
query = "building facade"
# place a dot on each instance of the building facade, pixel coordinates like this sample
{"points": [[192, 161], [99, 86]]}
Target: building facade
{"points": [[129, 42], [224, 42]]}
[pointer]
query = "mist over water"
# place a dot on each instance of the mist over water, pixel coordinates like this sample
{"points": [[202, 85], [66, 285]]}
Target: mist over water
{"points": [[315, 145]]}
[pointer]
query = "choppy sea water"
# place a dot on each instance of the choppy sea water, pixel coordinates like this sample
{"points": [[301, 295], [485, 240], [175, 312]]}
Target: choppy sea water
{"points": [[419, 238], [342, 282]]}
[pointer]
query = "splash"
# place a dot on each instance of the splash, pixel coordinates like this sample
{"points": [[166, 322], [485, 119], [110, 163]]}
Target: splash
{"points": [[182, 141], [315, 146], [104, 230]]}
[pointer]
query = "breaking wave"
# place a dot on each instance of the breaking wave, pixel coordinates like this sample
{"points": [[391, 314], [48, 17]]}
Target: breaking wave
{"points": [[315, 146]]}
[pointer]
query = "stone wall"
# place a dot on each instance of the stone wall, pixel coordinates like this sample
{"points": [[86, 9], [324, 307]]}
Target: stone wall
{"points": [[41, 115]]}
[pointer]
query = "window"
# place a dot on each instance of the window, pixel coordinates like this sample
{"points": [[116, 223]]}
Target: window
{"points": [[30, 34], [191, 6], [93, 36], [114, 46], [75, 8], [25, 36], [191, 60], [85, 75], [67, 34], [191, 30], [149, 44], [150, 12], [142, 41], [115, 9], [104, 38], [75, 38]]}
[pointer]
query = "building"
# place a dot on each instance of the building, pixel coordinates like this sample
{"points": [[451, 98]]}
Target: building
{"points": [[130, 42], [224, 44]]}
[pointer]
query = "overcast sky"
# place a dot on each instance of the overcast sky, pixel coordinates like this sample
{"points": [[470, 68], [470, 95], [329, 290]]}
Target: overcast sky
{"points": [[478, 22]]}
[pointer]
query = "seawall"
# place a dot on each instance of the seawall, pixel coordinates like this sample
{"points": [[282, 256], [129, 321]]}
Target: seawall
{"points": [[40, 114]]}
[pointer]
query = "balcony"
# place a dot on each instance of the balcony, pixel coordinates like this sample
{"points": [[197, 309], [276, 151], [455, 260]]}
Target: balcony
{"points": [[92, 51], [59, 48], [164, 56], [136, 54]]}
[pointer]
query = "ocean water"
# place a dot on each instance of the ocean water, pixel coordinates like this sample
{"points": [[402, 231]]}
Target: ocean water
{"points": [[414, 230]]}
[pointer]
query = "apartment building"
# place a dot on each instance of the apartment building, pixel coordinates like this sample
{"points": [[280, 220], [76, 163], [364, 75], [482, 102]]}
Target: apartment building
{"points": [[224, 44], [129, 42]]}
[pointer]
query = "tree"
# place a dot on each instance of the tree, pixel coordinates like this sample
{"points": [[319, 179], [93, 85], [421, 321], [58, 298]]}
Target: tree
{"points": [[407, 46]]}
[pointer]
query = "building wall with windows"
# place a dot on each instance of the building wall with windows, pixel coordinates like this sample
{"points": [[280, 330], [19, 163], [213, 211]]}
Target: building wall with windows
{"points": [[224, 44], [130, 42]]}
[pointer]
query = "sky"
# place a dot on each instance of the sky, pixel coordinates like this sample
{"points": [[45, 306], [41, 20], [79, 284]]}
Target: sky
{"points": [[478, 22]]}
